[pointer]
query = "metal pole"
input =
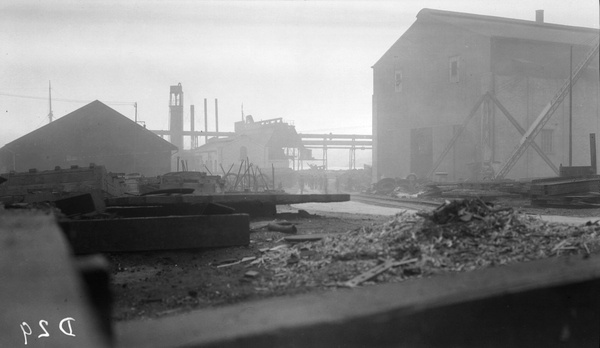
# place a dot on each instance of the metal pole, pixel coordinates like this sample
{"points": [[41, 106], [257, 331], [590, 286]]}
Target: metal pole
{"points": [[50, 115], [135, 106], [571, 108], [205, 120], [217, 116], [192, 127]]}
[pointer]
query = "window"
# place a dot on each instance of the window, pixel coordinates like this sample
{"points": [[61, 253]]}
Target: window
{"points": [[454, 69], [547, 135], [398, 81]]}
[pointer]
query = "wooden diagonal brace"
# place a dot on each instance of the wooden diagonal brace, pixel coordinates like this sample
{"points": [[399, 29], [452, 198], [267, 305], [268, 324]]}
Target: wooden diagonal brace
{"points": [[522, 131]]}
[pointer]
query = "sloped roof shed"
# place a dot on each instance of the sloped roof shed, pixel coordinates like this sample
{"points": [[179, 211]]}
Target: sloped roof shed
{"points": [[94, 133]]}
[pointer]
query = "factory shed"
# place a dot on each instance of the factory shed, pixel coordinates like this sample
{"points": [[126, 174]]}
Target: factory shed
{"points": [[448, 66], [94, 133], [267, 144]]}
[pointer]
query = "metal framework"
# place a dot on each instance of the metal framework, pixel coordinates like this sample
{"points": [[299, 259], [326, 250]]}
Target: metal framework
{"points": [[350, 142]]}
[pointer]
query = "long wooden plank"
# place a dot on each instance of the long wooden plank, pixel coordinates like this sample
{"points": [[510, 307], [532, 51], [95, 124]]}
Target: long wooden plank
{"points": [[524, 305], [157, 233], [277, 199], [40, 289]]}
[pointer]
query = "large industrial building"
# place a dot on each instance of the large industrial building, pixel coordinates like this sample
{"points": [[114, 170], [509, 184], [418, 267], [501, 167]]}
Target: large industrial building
{"points": [[94, 133], [448, 66]]}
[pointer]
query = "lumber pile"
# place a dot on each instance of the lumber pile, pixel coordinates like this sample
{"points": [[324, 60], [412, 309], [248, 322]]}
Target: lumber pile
{"points": [[566, 191]]}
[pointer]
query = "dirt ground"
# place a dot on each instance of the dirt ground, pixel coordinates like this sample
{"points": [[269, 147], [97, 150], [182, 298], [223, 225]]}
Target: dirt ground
{"points": [[155, 284]]}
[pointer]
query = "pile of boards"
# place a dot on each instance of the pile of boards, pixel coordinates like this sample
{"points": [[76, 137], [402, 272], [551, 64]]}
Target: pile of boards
{"points": [[581, 191]]}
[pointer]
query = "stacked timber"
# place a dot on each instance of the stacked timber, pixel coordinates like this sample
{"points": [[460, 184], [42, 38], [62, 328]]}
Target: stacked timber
{"points": [[51, 185], [566, 191]]}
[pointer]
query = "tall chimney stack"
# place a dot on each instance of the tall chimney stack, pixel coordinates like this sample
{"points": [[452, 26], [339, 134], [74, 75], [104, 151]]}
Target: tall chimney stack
{"points": [[539, 16], [192, 127], [217, 116], [205, 121]]}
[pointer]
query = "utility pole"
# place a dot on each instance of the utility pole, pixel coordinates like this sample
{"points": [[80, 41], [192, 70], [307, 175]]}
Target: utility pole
{"points": [[50, 115]]}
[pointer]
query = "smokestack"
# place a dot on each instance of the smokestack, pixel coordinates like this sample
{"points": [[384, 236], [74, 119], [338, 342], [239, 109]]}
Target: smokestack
{"points": [[192, 118], [217, 116], [205, 120], [176, 116], [192, 126], [539, 16]]}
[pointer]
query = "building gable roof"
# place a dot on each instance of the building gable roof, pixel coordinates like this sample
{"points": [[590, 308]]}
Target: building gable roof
{"points": [[491, 26], [95, 122]]}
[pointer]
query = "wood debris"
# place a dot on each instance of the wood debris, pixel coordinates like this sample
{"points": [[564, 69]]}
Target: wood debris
{"points": [[458, 236]]}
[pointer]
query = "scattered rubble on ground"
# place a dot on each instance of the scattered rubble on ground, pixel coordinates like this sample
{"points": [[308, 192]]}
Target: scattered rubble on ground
{"points": [[351, 250], [457, 236]]}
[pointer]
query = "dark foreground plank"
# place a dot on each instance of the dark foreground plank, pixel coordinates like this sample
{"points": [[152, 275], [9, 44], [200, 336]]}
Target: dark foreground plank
{"points": [[546, 303], [39, 282], [157, 233]]}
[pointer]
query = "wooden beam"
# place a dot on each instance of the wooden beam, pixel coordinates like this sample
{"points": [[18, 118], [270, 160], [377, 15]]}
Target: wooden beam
{"points": [[335, 136], [522, 131], [228, 199], [157, 233]]}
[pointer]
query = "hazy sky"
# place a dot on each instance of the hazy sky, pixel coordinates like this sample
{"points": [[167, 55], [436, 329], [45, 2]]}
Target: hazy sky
{"points": [[306, 61]]}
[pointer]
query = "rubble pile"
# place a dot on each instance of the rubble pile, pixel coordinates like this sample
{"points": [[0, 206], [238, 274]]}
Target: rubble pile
{"points": [[461, 235]]}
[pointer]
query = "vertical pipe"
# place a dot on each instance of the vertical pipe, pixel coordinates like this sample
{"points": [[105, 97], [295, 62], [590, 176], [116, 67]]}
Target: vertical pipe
{"points": [[205, 121], [571, 108], [192, 127], [217, 116]]}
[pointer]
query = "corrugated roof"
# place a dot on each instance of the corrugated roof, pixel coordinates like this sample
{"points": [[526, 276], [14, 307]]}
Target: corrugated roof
{"points": [[513, 28]]}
